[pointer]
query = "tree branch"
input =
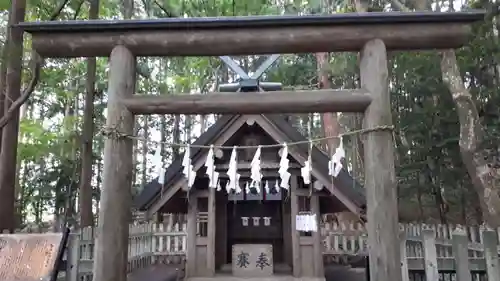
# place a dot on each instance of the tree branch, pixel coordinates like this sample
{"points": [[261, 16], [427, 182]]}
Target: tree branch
{"points": [[58, 10], [77, 11], [26, 93], [37, 62], [167, 12]]}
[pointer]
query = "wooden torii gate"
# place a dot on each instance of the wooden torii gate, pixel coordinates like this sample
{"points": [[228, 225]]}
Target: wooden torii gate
{"points": [[371, 34]]}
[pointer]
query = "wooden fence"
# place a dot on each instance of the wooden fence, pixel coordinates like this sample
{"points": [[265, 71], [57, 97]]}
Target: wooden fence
{"points": [[427, 251]]}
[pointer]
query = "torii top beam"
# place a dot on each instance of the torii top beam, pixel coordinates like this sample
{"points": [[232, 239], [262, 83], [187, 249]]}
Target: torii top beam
{"points": [[252, 35]]}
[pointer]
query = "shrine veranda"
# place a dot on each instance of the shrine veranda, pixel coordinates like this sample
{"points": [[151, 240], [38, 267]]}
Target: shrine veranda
{"points": [[298, 255]]}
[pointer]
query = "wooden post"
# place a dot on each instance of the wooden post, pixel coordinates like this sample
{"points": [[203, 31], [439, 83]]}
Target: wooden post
{"points": [[430, 254], [316, 236], [294, 211], [211, 232], [9, 136], [405, 274], [460, 246], [73, 256], [192, 221], [490, 242], [110, 262], [380, 177]]}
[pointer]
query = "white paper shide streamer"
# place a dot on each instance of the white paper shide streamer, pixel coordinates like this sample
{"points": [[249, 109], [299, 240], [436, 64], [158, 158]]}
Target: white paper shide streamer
{"points": [[305, 171], [267, 188], [188, 170], [232, 172], [211, 173], [283, 170], [255, 172], [158, 166], [335, 164]]}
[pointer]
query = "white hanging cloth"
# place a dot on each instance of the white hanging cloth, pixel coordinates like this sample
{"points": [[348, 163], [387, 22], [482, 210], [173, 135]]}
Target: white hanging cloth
{"points": [[210, 164], [266, 187], [335, 163], [161, 176], [158, 166], [232, 172], [285, 180], [276, 186], [305, 171], [283, 170], [188, 170], [255, 172]]}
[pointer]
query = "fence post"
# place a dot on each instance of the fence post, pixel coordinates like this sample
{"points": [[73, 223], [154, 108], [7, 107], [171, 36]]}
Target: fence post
{"points": [[490, 242], [460, 246], [73, 257], [404, 261], [430, 255]]}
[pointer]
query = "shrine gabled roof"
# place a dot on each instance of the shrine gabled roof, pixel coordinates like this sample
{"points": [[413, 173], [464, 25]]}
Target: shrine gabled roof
{"points": [[344, 182]]}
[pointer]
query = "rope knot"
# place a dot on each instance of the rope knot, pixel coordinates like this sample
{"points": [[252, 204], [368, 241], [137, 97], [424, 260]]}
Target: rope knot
{"points": [[112, 133]]}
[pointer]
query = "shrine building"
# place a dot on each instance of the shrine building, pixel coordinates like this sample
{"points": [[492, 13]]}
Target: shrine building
{"points": [[253, 235]]}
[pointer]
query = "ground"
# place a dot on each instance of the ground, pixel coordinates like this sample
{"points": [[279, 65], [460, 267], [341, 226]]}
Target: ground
{"points": [[169, 273]]}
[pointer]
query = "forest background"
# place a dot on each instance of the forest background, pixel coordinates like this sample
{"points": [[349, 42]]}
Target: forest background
{"points": [[446, 159]]}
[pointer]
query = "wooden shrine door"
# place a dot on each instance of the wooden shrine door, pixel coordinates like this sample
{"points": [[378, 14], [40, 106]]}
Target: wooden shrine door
{"points": [[255, 222]]}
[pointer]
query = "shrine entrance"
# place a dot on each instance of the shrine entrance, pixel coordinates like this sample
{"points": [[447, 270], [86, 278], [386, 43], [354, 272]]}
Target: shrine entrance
{"points": [[256, 222]]}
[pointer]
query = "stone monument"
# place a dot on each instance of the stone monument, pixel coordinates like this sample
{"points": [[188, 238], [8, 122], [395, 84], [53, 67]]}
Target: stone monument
{"points": [[252, 260]]}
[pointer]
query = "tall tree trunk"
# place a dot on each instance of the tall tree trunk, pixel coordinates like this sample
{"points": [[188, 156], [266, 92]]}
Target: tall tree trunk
{"points": [[331, 124], [176, 136], [463, 203], [476, 157], [420, 204], [145, 151], [203, 124], [128, 9], [18, 202], [3, 69], [163, 137], [8, 154], [66, 168], [85, 202], [163, 152]]}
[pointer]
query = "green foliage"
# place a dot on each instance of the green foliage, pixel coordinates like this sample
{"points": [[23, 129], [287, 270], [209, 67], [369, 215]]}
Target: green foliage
{"points": [[426, 123]]}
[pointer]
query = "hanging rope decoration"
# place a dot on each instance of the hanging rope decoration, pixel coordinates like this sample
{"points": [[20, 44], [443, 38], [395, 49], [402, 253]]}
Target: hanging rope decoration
{"points": [[211, 173], [255, 172], [232, 172], [283, 170], [334, 165], [305, 171], [188, 170]]}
